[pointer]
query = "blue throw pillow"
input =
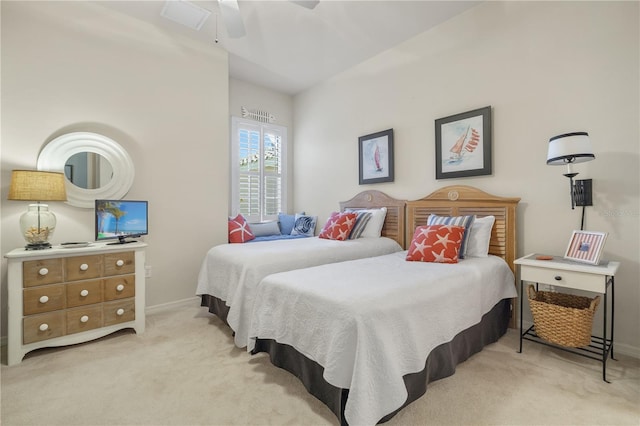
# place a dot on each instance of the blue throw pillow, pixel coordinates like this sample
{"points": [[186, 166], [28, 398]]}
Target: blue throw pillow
{"points": [[304, 225], [262, 229], [286, 222]]}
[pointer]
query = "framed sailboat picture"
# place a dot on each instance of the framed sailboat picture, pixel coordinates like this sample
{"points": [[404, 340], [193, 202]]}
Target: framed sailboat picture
{"points": [[463, 144], [376, 157]]}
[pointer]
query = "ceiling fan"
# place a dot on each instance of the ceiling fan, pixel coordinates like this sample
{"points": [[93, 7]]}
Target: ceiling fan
{"points": [[232, 18], [193, 16]]}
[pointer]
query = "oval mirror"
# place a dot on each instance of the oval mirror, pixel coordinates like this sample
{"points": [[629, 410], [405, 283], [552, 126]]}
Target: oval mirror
{"points": [[88, 170], [96, 167]]}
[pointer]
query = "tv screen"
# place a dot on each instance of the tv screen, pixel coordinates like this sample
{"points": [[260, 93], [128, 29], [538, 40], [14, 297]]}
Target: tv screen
{"points": [[121, 219]]}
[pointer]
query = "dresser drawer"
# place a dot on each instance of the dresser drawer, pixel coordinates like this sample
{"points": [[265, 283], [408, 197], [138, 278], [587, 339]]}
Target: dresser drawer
{"points": [[119, 263], [83, 267], [84, 293], [119, 287], [84, 318], [41, 272], [563, 278], [119, 311], [43, 299], [43, 327]]}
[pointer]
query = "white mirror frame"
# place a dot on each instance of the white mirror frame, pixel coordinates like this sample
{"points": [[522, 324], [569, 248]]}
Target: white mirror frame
{"points": [[56, 153]]}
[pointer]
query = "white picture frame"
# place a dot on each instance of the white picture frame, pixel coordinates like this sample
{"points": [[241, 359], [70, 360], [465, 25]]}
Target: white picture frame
{"points": [[585, 246]]}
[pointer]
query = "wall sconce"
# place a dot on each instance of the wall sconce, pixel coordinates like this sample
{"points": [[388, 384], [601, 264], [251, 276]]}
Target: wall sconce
{"points": [[568, 149], [582, 192]]}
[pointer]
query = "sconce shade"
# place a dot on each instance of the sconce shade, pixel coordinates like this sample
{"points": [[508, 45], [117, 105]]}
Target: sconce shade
{"points": [[33, 185], [569, 148]]}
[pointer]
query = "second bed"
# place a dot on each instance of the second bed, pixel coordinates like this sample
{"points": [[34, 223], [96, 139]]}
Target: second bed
{"points": [[231, 273]]}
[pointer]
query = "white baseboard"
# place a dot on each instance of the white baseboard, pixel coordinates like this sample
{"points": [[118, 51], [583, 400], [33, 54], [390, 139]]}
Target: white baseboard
{"points": [[628, 350], [172, 305]]}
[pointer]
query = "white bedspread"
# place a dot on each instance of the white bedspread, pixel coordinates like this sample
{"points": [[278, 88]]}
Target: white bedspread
{"points": [[369, 322], [232, 272]]}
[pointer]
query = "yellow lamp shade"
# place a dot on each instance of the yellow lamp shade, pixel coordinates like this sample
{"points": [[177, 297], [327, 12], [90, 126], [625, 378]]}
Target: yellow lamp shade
{"points": [[33, 185]]}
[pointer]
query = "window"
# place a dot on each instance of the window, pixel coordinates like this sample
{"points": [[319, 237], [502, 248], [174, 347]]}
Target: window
{"points": [[258, 167]]}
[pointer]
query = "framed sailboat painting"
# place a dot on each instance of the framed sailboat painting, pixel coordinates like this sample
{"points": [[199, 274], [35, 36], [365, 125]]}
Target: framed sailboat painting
{"points": [[463, 144], [376, 157]]}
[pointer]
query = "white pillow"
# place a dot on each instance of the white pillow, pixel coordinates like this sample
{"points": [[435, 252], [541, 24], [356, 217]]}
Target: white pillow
{"points": [[480, 236], [373, 229], [262, 229]]}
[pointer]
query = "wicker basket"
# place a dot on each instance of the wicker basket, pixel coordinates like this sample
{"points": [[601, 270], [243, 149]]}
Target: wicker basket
{"points": [[563, 319]]}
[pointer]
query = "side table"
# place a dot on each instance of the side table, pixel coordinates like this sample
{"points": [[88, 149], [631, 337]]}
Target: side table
{"points": [[559, 272]]}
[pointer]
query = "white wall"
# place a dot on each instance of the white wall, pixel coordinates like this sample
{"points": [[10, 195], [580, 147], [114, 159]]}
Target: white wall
{"points": [[71, 66], [546, 68], [253, 97]]}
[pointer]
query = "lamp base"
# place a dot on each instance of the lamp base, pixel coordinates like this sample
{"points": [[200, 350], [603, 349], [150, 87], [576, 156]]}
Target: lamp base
{"points": [[37, 225], [38, 246]]}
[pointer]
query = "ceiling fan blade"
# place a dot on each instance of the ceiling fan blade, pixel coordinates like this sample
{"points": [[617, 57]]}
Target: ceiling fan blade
{"points": [[232, 18], [309, 4]]}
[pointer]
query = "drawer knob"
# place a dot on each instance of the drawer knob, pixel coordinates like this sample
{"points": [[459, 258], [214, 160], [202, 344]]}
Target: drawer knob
{"points": [[84, 293], [84, 267], [84, 318], [44, 327], [120, 312], [557, 278], [44, 299], [43, 271], [120, 287], [119, 262]]}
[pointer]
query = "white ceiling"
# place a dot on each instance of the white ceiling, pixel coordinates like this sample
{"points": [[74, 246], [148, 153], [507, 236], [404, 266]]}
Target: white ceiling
{"points": [[290, 48]]}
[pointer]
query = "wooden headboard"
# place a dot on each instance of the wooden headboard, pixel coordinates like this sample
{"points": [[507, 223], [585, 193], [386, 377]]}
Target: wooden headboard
{"points": [[394, 222], [457, 200]]}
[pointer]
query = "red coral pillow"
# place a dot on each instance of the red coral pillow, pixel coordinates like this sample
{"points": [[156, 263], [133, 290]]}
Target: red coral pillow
{"points": [[436, 243], [239, 230], [339, 226]]}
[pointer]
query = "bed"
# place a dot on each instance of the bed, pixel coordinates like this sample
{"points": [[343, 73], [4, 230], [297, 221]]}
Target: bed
{"points": [[367, 336], [230, 273]]}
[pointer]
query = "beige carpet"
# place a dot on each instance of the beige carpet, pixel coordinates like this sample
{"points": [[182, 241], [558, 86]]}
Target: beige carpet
{"points": [[185, 370]]}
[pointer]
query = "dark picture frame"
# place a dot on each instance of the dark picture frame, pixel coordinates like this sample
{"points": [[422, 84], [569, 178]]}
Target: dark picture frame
{"points": [[375, 152], [463, 144], [68, 172]]}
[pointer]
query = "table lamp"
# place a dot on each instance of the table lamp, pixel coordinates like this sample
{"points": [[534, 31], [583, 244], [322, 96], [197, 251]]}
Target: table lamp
{"points": [[37, 223]]}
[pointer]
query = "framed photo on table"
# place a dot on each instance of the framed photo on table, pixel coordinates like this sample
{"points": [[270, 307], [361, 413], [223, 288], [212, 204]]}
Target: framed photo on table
{"points": [[376, 157], [586, 246], [463, 144]]}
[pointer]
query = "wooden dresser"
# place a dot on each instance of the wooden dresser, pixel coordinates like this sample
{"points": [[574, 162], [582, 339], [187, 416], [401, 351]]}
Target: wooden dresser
{"points": [[62, 296]]}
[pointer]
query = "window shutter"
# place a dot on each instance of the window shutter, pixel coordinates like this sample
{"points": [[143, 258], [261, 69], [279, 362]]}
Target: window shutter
{"points": [[258, 170], [272, 173]]}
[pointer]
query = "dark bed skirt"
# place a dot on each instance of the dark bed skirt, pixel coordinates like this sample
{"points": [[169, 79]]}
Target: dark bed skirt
{"points": [[440, 363], [216, 306]]}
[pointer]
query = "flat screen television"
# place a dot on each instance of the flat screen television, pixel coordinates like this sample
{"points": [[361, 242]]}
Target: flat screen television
{"points": [[121, 219]]}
